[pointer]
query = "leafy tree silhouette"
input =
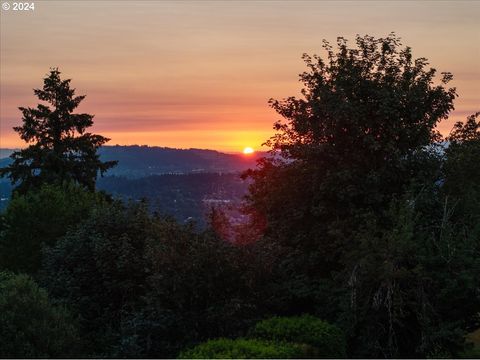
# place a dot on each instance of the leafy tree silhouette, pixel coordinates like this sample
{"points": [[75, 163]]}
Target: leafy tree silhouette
{"points": [[341, 193], [351, 142]]}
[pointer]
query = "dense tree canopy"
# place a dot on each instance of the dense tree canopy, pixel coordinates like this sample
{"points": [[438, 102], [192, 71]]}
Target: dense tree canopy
{"points": [[145, 285], [363, 198], [60, 147], [349, 142], [39, 218], [30, 325]]}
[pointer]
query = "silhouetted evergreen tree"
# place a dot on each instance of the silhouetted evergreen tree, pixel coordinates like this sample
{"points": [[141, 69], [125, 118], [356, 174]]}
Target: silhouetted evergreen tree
{"points": [[60, 148]]}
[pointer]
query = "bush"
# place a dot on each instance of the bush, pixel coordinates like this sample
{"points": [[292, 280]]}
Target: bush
{"points": [[30, 326], [326, 338], [471, 353], [197, 289], [98, 269], [245, 349], [39, 218]]}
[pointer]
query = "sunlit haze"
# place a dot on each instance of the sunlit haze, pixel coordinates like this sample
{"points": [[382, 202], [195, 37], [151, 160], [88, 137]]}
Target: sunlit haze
{"points": [[199, 73]]}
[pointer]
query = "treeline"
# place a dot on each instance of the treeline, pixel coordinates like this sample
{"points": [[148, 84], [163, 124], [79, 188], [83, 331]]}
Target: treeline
{"points": [[362, 240]]}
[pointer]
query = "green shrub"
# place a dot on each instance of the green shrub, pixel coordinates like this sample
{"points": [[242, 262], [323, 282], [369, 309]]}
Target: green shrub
{"points": [[30, 326], [473, 353], [245, 349], [98, 269], [328, 339], [40, 217]]}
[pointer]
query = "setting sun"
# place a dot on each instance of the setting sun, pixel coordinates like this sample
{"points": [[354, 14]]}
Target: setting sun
{"points": [[248, 150]]}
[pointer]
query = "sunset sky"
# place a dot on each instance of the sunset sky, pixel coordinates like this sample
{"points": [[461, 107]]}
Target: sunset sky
{"points": [[199, 73]]}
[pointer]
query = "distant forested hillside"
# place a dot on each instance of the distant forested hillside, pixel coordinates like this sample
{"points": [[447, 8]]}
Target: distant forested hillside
{"points": [[6, 153], [138, 161], [174, 181], [185, 197]]}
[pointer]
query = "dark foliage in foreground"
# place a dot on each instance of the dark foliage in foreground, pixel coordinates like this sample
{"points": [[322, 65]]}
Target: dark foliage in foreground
{"points": [[328, 340], [359, 218], [301, 337], [145, 286], [244, 349], [378, 222], [38, 218], [30, 325]]}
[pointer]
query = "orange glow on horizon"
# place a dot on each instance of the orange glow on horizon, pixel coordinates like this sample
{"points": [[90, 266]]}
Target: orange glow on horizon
{"points": [[207, 68]]}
